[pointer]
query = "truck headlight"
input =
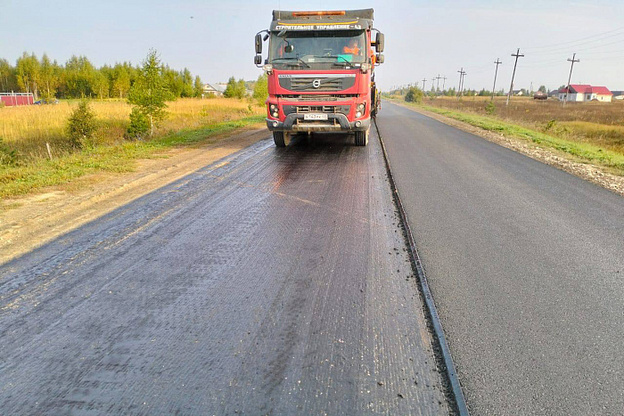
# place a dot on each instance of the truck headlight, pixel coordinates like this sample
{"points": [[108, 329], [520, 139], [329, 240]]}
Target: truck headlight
{"points": [[360, 110], [273, 110]]}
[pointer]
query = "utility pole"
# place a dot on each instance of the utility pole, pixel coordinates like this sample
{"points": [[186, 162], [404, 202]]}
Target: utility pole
{"points": [[497, 62], [517, 55], [424, 80], [443, 83], [438, 78], [462, 73], [572, 61]]}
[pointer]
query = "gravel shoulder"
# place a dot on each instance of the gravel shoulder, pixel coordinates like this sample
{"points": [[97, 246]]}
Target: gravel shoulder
{"points": [[29, 222]]}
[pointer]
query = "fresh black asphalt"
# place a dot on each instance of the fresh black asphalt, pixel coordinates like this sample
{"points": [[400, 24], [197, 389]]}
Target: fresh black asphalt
{"points": [[276, 281], [526, 266]]}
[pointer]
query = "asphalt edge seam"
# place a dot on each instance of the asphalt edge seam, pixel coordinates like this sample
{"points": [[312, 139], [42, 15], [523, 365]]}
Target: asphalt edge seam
{"points": [[458, 396]]}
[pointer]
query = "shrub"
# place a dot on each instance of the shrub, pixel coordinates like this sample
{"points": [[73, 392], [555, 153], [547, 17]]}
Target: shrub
{"points": [[414, 95], [490, 108], [8, 156], [139, 124], [261, 90], [81, 126]]}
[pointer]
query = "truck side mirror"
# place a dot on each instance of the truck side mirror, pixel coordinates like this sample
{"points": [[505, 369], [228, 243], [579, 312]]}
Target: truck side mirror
{"points": [[258, 59], [379, 42], [258, 43], [289, 48], [380, 58]]}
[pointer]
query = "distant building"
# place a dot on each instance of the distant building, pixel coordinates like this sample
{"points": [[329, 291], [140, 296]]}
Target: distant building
{"points": [[209, 89], [221, 86], [584, 93], [16, 98], [618, 95]]}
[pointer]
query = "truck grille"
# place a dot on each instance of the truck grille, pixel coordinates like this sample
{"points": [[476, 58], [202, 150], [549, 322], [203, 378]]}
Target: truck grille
{"points": [[344, 109], [321, 82]]}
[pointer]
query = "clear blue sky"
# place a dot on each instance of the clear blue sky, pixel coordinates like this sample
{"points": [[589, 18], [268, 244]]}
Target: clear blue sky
{"points": [[423, 38]]}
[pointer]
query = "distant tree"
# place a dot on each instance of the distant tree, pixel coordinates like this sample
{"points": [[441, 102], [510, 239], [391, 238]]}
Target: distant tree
{"points": [[188, 89], [7, 76], [120, 81], [50, 77], [542, 88], [198, 87], [261, 90], [81, 125], [80, 75], [148, 95], [230, 89], [414, 95], [173, 81], [99, 84], [28, 71], [235, 89]]}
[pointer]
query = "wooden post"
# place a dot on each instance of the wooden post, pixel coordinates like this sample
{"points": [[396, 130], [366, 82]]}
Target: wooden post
{"points": [[49, 151]]}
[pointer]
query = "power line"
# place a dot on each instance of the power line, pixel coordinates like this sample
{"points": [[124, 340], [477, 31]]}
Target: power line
{"points": [[598, 35]]}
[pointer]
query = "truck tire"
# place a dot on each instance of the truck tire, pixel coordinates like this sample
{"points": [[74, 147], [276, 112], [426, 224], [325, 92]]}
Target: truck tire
{"points": [[361, 138], [278, 138]]}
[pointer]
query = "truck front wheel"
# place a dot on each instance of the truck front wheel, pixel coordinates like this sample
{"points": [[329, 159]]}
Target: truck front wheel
{"points": [[361, 138], [278, 138]]}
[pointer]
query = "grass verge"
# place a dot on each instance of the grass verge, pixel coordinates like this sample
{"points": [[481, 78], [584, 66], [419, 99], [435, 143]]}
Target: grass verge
{"points": [[611, 161], [20, 180]]}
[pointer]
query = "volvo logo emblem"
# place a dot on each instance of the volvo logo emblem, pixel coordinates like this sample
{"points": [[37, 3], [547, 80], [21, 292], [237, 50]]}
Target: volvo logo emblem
{"points": [[316, 83]]}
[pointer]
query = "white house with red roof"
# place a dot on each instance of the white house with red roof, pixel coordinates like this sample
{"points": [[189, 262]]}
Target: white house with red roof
{"points": [[583, 93]]}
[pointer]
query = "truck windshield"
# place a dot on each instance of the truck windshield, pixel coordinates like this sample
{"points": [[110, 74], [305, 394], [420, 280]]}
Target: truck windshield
{"points": [[322, 49]]}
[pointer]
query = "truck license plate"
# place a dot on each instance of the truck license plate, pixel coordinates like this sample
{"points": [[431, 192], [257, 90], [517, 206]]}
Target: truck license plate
{"points": [[315, 116]]}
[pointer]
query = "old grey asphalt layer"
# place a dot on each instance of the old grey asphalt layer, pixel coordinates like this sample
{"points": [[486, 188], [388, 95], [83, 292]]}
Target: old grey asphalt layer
{"points": [[526, 266], [276, 281]]}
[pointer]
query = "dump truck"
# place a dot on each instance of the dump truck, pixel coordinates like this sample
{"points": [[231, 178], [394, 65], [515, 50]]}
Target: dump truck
{"points": [[320, 71]]}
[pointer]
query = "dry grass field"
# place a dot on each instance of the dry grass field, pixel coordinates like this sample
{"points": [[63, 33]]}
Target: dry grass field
{"points": [[26, 129], [600, 124], [25, 165]]}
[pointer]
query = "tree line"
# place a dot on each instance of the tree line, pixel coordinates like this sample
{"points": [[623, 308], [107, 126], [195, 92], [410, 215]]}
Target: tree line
{"points": [[79, 78]]}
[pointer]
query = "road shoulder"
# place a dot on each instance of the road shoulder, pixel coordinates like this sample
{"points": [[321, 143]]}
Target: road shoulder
{"points": [[30, 221]]}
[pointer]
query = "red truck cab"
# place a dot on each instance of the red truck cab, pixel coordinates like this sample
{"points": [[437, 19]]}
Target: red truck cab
{"points": [[320, 70]]}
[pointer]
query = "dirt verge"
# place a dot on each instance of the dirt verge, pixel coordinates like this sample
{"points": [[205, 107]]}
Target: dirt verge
{"points": [[552, 157], [28, 222]]}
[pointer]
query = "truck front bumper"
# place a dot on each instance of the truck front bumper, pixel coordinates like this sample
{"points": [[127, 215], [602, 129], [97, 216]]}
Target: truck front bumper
{"points": [[335, 123]]}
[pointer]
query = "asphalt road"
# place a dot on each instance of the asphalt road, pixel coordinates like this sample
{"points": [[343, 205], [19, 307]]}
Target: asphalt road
{"points": [[276, 281], [526, 266]]}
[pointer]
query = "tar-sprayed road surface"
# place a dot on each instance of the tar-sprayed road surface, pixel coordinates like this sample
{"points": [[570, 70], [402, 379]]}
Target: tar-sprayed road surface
{"points": [[274, 282], [526, 266]]}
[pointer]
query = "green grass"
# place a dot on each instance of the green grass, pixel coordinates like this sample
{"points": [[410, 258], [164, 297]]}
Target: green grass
{"points": [[20, 180], [612, 161]]}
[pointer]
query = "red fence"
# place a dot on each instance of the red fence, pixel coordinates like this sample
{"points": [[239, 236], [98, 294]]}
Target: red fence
{"points": [[17, 98]]}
